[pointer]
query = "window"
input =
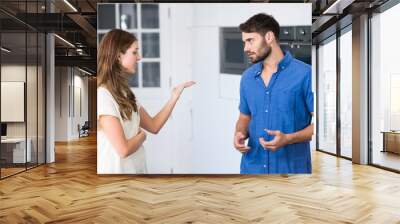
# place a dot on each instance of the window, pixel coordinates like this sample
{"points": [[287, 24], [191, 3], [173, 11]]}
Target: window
{"points": [[297, 40], [128, 16], [144, 23], [346, 93], [385, 89], [22, 65], [394, 102], [327, 96], [106, 18], [233, 60]]}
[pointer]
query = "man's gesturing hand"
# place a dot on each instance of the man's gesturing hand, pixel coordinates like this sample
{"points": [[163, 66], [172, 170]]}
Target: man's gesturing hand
{"points": [[280, 140], [239, 142]]}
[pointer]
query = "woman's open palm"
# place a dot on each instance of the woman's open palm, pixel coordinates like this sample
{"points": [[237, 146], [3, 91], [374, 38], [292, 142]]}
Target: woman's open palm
{"points": [[177, 91]]}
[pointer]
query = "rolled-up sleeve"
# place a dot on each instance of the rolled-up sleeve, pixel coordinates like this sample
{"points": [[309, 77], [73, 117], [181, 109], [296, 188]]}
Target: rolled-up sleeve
{"points": [[308, 93], [243, 105]]}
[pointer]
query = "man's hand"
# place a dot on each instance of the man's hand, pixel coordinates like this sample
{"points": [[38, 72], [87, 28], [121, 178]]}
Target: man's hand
{"points": [[280, 140], [239, 142]]}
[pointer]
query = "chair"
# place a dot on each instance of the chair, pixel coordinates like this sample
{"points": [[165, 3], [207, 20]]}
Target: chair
{"points": [[84, 130]]}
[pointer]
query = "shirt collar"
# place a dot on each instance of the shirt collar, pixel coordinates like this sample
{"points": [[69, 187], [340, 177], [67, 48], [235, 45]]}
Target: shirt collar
{"points": [[281, 65]]}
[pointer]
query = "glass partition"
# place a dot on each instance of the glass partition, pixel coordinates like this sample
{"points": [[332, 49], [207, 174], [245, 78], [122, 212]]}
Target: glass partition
{"points": [[327, 96], [22, 63], [385, 89], [346, 93]]}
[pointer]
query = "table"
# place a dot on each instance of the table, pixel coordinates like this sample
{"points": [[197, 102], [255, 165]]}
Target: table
{"points": [[15, 148], [391, 141]]}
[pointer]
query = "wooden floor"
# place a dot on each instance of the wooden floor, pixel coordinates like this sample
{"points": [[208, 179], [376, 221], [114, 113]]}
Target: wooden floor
{"points": [[387, 159], [70, 191], [10, 171]]}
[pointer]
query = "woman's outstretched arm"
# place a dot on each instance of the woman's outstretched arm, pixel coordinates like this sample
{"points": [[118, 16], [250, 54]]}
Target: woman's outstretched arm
{"points": [[154, 124]]}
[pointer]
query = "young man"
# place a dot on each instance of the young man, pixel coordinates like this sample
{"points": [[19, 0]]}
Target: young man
{"points": [[276, 104]]}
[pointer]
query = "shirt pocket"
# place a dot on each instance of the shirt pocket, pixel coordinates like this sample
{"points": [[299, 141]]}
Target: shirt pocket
{"points": [[286, 100]]}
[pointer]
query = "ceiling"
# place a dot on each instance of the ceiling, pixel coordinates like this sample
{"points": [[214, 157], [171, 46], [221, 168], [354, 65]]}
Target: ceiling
{"points": [[77, 22]]}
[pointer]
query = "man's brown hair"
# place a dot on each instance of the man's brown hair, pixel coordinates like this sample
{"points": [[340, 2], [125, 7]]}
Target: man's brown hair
{"points": [[261, 23]]}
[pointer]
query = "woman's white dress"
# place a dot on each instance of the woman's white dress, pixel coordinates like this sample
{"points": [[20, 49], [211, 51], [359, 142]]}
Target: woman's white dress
{"points": [[108, 160]]}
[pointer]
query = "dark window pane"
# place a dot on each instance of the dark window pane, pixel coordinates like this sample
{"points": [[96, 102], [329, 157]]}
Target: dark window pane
{"points": [[100, 36], [106, 16], [234, 51], [150, 16], [301, 52], [128, 16], [151, 74], [232, 57], [287, 34], [151, 45], [303, 34]]}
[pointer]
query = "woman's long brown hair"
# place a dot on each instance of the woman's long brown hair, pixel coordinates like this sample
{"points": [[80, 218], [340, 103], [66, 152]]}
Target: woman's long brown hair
{"points": [[110, 73]]}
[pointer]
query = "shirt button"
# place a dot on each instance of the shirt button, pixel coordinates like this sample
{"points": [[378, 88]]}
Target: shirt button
{"points": [[266, 111], [265, 166], [267, 92]]}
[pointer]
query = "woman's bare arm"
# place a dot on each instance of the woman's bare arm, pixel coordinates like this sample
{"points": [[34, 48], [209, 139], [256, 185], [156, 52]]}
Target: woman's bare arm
{"points": [[154, 124], [115, 133]]}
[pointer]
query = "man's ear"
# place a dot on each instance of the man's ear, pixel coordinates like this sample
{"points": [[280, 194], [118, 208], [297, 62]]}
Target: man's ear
{"points": [[269, 37]]}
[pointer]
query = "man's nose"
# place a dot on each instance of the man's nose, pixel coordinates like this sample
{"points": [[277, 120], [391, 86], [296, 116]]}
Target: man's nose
{"points": [[246, 48]]}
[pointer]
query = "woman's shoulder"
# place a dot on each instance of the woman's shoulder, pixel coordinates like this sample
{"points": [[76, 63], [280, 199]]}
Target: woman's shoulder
{"points": [[104, 94], [103, 91]]}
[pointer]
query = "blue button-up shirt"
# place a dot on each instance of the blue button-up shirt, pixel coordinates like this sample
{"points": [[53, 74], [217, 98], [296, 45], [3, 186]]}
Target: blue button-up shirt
{"points": [[285, 105]]}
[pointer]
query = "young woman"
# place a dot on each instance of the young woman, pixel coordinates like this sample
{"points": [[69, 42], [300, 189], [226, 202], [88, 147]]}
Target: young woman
{"points": [[121, 119]]}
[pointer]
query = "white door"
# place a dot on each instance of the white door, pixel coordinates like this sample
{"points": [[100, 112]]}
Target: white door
{"points": [[151, 83]]}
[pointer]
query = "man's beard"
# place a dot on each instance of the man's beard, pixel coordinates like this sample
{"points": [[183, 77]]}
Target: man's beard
{"points": [[263, 56]]}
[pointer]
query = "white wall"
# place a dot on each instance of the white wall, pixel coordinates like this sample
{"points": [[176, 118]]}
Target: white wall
{"points": [[14, 73], [80, 83], [17, 73], [33, 126], [61, 103], [12, 101], [207, 148], [181, 21], [67, 79]]}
